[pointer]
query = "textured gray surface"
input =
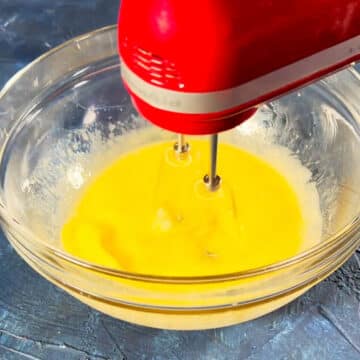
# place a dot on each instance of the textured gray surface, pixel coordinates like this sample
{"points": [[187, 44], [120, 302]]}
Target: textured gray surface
{"points": [[39, 321]]}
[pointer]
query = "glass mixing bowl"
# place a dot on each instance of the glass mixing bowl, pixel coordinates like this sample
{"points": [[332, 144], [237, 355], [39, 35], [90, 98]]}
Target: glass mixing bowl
{"points": [[69, 108]]}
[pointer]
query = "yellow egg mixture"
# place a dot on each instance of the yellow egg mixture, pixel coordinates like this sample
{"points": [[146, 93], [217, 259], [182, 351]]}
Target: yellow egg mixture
{"points": [[150, 213]]}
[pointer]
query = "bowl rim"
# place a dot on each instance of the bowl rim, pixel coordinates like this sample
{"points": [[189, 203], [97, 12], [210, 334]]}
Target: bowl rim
{"points": [[7, 219]]}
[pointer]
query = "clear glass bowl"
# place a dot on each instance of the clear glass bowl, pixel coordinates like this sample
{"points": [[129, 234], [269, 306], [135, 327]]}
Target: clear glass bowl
{"points": [[70, 106]]}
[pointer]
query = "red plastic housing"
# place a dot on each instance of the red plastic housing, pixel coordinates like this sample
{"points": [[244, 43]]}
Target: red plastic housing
{"points": [[203, 66]]}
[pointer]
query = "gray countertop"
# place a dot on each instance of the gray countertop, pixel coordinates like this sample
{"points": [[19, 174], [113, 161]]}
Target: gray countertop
{"points": [[39, 321]]}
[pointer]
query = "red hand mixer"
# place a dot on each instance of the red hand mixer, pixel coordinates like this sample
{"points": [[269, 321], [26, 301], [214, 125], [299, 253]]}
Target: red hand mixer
{"points": [[204, 66]]}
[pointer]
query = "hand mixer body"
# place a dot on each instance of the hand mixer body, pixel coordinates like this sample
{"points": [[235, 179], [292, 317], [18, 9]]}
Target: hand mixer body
{"points": [[203, 66]]}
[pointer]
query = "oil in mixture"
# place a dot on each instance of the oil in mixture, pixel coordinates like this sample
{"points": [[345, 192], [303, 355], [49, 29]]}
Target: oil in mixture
{"points": [[151, 213]]}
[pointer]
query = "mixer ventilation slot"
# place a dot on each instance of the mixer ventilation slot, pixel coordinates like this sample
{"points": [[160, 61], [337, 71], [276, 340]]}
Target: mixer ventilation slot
{"points": [[155, 69]]}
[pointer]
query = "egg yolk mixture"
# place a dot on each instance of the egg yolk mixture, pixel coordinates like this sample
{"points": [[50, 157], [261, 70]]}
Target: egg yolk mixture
{"points": [[151, 213]]}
